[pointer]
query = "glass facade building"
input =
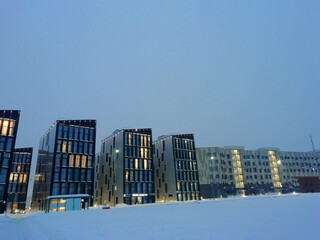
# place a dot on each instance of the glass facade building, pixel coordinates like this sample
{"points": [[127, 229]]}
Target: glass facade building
{"points": [[126, 168], [19, 179], [176, 169], [65, 161], [9, 120]]}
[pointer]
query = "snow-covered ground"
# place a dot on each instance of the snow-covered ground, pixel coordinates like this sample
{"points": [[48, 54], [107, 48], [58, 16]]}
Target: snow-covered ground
{"points": [[260, 217]]}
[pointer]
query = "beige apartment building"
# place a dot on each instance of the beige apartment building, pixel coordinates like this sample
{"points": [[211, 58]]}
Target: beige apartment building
{"points": [[233, 170]]}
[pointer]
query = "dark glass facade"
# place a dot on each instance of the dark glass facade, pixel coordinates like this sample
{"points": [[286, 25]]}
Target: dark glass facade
{"points": [[126, 168], [19, 178], [9, 120], [65, 161]]}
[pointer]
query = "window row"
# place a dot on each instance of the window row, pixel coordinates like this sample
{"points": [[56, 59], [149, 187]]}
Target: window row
{"points": [[138, 188], [186, 176], [20, 168], [137, 152], [3, 146], [5, 161], [71, 188], [187, 186], [142, 164], [181, 154], [18, 178], [7, 127], [17, 197], [21, 158], [74, 147], [184, 144], [73, 174], [186, 165], [73, 132], [15, 188], [188, 196], [133, 139], [138, 176], [71, 160]]}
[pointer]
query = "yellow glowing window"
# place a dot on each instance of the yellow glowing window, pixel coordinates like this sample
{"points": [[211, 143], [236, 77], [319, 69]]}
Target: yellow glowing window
{"points": [[12, 123], [136, 163], [77, 161], [25, 176], [130, 138], [71, 160], [145, 141], [145, 164], [21, 178], [5, 125], [145, 152], [178, 186], [84, 162], [127, 175], [142, 152], [64, 146]]}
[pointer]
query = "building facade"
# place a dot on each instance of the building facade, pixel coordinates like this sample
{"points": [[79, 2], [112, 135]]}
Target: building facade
{"points": [[19, 179], [65, 161], [126, 168], [233, 170], [9, 121], [176, 170]]}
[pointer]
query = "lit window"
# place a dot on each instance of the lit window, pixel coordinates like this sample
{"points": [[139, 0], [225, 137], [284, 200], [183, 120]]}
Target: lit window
{"points": [[71, 160], [84, 162], [77, 161], [5, 125]]}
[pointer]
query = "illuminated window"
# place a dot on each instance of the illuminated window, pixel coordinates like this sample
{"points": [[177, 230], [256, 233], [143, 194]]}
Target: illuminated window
{"points": [[5, 125], [136, 163], [84, 162], [77, 161], [12, 124], [145, 164], [127, 175], [64, 146], [71, 160], [130, 139]]}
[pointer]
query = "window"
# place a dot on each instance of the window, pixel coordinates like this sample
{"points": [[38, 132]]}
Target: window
{"points": [[84, 161], [71, 160], [3, 175], [5, 125], [9, 144], [77, 161]]}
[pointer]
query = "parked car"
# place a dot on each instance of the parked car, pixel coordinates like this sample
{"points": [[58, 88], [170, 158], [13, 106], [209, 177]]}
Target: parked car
{"points": [[106, 207]]}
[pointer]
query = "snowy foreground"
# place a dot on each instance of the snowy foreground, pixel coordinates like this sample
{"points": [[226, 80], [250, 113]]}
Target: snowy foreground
{"points": [[263, 217]]}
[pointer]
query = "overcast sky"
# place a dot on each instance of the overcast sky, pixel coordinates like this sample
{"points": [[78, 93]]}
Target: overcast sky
{"points": [[232, 72]]}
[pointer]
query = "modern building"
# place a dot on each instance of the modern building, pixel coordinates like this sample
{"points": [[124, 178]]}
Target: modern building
{"points": [[65, 161], [176, 170], [233, 170], [9, 121], [126, 168], [19, 179]]}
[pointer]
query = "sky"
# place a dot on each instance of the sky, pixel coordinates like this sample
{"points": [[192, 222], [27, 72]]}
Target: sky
{"points": [[244, 73]]}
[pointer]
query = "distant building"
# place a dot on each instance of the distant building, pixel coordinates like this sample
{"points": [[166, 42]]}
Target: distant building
{"points": [[9, 121], [126, 168], [308, 184], [234, 170], [19, 179], [65, 161], [176, 170]]}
